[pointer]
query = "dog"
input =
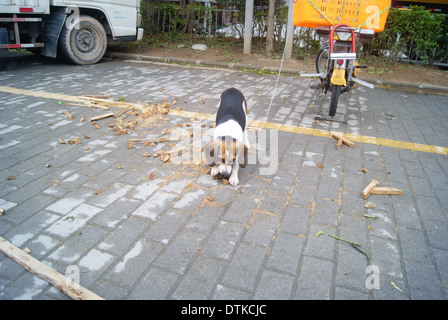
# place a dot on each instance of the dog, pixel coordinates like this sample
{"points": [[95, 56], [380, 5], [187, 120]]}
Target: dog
{"points": [[229, 149]]}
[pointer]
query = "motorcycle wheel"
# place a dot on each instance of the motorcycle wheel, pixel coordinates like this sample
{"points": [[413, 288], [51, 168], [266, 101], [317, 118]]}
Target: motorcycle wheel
{"points": [[322, 59], [335, 92]]}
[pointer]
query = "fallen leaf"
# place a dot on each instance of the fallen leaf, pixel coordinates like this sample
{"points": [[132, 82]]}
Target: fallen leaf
{"points": [[395, 286]]}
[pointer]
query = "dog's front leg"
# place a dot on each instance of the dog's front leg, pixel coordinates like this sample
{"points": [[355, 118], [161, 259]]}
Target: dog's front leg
{"points": [[233, 180]]}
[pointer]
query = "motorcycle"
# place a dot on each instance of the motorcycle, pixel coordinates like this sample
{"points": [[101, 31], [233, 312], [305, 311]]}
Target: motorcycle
{"points": [[336, 63]]}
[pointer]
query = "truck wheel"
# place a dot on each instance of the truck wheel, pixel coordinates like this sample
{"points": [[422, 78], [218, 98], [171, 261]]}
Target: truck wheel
{"points": [[84, 43]]}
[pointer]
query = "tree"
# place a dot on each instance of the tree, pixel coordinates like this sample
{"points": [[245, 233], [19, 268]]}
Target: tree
{"points": [[270, 29]]}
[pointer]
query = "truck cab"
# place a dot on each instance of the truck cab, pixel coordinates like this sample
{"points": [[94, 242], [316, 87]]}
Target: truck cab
{"points": [[79, 30]]}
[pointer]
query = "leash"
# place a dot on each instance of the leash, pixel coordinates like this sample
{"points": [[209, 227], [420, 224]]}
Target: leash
{"points": [[273, 95]]}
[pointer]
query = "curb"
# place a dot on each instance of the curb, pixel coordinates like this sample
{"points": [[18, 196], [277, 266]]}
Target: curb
{"points": [[385, 84]]}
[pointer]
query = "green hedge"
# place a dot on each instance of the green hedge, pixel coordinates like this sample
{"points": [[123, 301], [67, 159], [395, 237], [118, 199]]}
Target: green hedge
{"points": [[418, 34]]}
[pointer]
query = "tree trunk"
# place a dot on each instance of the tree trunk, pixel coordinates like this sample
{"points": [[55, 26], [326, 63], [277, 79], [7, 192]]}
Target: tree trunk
{"points": [[270, 31]]}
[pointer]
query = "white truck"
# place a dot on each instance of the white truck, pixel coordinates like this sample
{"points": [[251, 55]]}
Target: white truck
{"points": [[80, 30]]}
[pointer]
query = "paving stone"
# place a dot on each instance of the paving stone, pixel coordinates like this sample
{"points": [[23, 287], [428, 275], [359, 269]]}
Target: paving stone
{"points": [[289, 247], [155, 205], [243, 269], [315, 279], [155, 285], [72, 249], [128, 269], [200, 280], [274, 286], [181, 252], [124, 235], [223, 240]]}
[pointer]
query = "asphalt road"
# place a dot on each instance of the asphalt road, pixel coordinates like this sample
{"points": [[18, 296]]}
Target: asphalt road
{"points": [[130, 226]]}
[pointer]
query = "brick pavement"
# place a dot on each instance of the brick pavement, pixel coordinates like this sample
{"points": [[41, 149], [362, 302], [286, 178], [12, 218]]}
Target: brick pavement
{"points": [[136, 238]]}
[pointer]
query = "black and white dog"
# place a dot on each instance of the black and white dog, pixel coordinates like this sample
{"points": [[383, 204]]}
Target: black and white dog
{"points": [[229, 149]]}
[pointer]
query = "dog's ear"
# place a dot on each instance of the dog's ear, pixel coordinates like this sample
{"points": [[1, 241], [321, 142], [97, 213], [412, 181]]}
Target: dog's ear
{"points": [[242, 150], [209, 151]]}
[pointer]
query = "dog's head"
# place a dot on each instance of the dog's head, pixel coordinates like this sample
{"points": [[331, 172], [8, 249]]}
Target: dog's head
{"points": [[226, 150]]}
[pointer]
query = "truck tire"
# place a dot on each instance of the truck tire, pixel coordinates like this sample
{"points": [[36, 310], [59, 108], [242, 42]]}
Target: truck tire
{"points": [[85, 43]]}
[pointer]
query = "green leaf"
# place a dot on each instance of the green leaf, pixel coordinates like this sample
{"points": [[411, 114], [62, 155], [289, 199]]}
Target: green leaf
{"points": [[395, 286], [362, 251]]}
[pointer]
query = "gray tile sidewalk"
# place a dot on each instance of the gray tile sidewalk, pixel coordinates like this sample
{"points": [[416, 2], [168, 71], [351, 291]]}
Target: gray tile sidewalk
{"points": [[136, 238]]}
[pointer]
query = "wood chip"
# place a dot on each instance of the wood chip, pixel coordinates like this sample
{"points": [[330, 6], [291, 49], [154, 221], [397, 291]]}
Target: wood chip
{"points": [[76, 140], [165, 157], [152, 175], [369, 205]]}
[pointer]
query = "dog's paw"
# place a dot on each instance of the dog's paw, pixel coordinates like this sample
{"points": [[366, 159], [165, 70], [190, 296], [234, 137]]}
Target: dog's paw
{"points": [[214, 171], [234, 181]]}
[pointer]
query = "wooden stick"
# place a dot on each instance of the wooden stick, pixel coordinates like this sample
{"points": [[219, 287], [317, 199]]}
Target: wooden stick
{"points": [[68, 114], [386, 190], [162, 139], [177, 150], [339, 144], [67, 286], [97, 96], [345, 141], [119, 112], [107, 115], [368, 190]]}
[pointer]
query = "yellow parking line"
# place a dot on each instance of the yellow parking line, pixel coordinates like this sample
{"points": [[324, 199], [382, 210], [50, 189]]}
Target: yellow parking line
{"points": [[254, 123]]}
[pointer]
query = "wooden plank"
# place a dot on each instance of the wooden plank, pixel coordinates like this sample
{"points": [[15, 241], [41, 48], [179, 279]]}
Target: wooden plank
{"points": [[386, 190], [368, 190], [67, 286]]}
